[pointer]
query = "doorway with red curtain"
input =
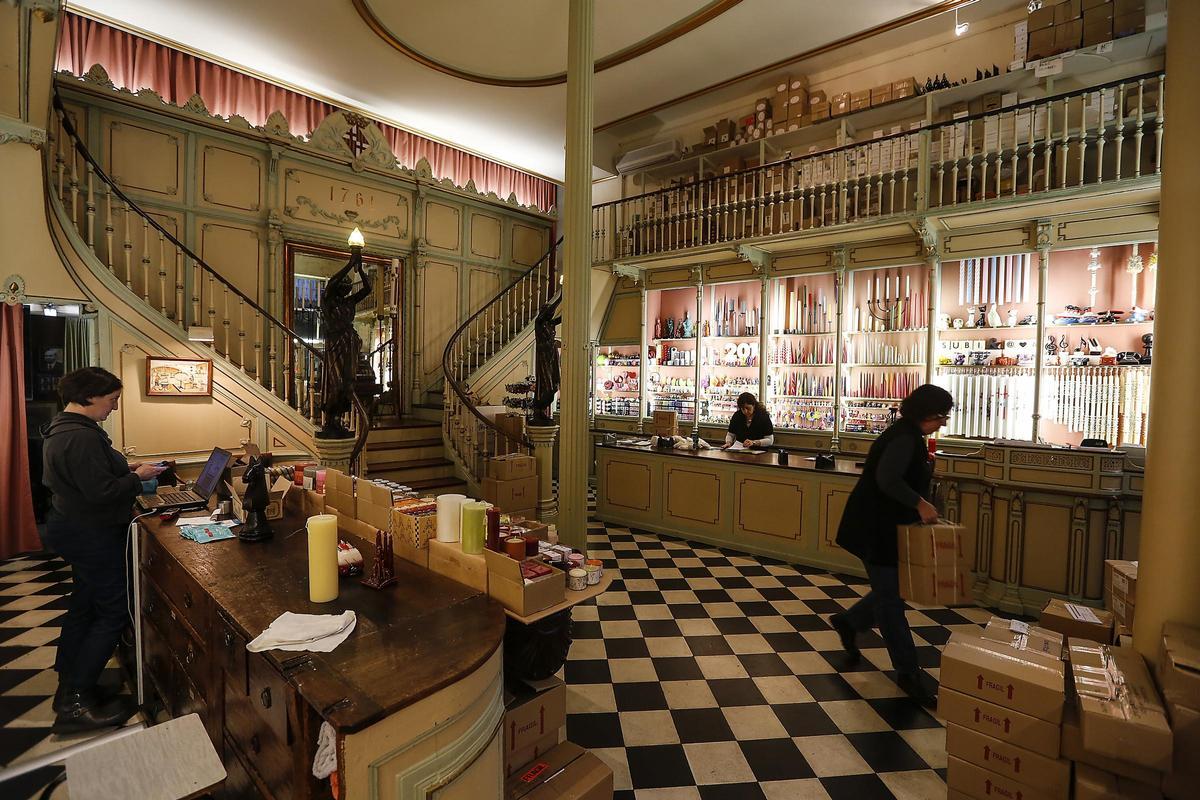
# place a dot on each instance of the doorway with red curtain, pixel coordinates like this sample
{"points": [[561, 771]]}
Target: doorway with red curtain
{"points": [[18, 530]]}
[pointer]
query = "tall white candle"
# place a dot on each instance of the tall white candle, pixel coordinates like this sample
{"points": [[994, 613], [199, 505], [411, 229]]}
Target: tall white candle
{"points": [[449, 517]]}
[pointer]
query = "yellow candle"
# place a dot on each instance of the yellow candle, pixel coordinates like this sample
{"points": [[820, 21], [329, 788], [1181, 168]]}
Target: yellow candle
{"points": [[322, 558], [474, 526]]}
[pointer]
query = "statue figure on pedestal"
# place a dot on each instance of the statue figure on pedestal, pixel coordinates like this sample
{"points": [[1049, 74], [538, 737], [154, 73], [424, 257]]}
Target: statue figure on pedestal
{"points": [[546, 370], [256, 527], [342, 345]]}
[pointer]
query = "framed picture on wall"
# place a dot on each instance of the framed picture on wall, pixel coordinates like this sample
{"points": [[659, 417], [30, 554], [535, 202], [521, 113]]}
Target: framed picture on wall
{"points": [[178, 377]]}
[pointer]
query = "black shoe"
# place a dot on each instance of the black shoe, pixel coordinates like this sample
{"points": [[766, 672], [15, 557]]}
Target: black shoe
{"points": [[848, 635], [102, 694], [84, 712], [911, 685]]}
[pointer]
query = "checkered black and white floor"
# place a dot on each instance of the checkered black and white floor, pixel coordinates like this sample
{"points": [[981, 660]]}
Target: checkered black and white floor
{"points": [[702, 673]]}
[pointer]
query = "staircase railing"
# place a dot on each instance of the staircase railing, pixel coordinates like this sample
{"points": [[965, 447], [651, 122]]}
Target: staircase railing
{"points": [[180, 286], [469, 433]]}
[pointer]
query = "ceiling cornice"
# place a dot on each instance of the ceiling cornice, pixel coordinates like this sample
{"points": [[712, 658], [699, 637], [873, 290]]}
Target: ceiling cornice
{"points": [[900, 22], [665, 36]]}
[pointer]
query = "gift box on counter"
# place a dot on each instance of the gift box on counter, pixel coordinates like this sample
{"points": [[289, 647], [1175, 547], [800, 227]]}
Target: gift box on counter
{"points": [[414, 524]]}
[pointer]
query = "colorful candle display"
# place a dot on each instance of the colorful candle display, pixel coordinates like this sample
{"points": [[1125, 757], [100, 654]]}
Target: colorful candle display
{"points": [[449, 517], [322, 558], [474, 526]]}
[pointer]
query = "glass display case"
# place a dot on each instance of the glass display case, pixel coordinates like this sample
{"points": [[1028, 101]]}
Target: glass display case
{"points": [[986, 345], [883, 344], [729, 348], [671, 352], [1099, 340], [616, 377], [801, 345]]}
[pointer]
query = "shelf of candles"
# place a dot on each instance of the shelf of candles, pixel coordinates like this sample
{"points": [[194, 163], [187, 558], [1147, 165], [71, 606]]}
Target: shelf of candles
{"points": [[896, 332], [731, 310], [799, 383], [784, 352], [802, 397], [675, 339], [805, 364], [872, 365], [616, 407], [1086, 325], [887, 300], [803, 305]]}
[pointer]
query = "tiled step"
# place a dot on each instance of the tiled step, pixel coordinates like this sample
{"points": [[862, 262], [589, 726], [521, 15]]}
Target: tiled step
{"points": [[417, 470]]}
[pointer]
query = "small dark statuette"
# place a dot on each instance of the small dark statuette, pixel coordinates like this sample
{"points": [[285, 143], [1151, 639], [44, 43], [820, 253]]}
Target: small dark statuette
{"points": [[383, 567], [256, 527], [546, 367], [342, 345]]}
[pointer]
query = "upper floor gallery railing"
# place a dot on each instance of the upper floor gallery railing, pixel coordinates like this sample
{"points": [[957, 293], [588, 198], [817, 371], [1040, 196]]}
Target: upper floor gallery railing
{"points": [[1086, 138]]}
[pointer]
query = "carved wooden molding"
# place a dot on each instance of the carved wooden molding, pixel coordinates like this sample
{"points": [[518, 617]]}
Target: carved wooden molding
{"points": [[1016, 538], [984, 538], [696, 475], [1056, 460], [1114, 530], [1077, 549]]}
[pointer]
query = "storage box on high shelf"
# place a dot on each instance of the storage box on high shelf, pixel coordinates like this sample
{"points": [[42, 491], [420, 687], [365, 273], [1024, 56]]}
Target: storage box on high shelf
{"points": [[1070, 24]]}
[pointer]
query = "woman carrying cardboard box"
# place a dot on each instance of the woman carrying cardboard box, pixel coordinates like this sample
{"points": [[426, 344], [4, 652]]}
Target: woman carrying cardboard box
{"points": [[892, 490]]}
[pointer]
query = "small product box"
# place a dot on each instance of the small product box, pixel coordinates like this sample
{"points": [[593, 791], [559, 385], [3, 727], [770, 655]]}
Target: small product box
{"points": [[533, 715], [512, 495], [568, 772], [515, 587], [1067, 10], [448, 559], [840, 104], [1077, 621], [1051, 775], [1068, 36], [414, 524], [1020, 680], [1120, 590], [1041, 18], [374, 505], [1119, 708], [512, 466], [820, 112], [860, 100], [1028, 638]]}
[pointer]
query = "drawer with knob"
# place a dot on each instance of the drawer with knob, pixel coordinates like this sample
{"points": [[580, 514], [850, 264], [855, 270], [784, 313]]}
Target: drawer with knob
{"points": [[265, 754], [238, 783], [231, 654], [270, 695]]}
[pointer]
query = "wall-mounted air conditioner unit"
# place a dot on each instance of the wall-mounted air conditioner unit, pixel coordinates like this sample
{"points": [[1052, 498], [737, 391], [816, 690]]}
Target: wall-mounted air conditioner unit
{"points": [[648, 156]]}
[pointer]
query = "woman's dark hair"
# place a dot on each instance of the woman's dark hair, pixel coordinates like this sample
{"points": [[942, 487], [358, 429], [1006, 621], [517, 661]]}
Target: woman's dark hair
{"points": [[747, 399], [82, 385], [926, 401]]}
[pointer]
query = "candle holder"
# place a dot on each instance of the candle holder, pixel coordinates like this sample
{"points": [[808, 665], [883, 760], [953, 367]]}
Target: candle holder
{"points": [[888, 312], [383, 567]]}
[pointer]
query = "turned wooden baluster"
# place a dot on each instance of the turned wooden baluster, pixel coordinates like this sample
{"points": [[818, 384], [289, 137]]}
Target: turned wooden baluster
{"points": [[1083, 139], [242, 333], [1065, 144], [258, 348], [74, 184], [1137, 141], [90, 207], [145, 261], [212, 307], [1158, 126], [1048, 148], [162, 276], [1120, 143], [127, 247]]}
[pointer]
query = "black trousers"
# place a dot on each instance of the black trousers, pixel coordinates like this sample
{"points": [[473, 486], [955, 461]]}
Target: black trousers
{"points": [[882, 606], [98, 610]]}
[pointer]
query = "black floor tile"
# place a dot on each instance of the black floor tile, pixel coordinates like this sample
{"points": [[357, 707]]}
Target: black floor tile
{"points": [[807, 622], [903, 714], [701, 725], [689, 611], [680, 668], [659, 766], [857, 787], [736, 692], [732, 625], [639, 696], [761, 665], [886, 751], [609, 613], [709, 645], [595, 730], [732, 791], [626, 648], [757, 609], [775, 760], [828, 687], [787, 642], [646, 598], [805, 719], [659, 627], [587, 671]]}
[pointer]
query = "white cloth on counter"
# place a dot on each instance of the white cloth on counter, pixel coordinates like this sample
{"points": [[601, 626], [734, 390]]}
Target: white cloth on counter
{"points": [[681, 443], [316, 633]]}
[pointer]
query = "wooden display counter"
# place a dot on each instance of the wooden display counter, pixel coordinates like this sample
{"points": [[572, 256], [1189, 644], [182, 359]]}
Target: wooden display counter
{"points": [[414, 695], [1044, 519], [746, 502]]}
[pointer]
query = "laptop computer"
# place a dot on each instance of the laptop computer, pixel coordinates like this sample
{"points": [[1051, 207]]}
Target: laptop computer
{"points": [[194, 495]]}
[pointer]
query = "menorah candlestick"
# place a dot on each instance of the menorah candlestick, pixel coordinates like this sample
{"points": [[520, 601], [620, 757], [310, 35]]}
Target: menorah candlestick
{"points": [[887, 312]]}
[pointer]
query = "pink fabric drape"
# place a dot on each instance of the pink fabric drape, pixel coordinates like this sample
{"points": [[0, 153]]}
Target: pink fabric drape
{"points": [[18, 529], [135, 63]]}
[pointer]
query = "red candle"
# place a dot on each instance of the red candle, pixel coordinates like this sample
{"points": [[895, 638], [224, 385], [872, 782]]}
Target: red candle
{"points": [[493, 528]]}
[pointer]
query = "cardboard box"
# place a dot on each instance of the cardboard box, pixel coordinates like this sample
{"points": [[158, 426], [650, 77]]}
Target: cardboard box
{"points": [[1124, 575], [906, 87], [1178, 668], [413, 526], [975, 781], [1068, 36], [1041, 19], [1128, 24], [1098, 13], [1073, 750], [999, 673], [1052, 775], [276, 492], [860, 100], [944, 585], [1067, 10], [1086, 4], [533, 714], [881, 94], [817, 97], [510, 495], [931, 545], [820, 112], [840, 104], [1120, 712], [934, 563], [1037, 642], [1097, 784], [666, 419], [512, 466], [1034, 734], [1184, 775], [523, 597], [710, 136], [448, 559], [511, 424], [726, 131], [1041, 44], [1128, 7], [1078, 621], [1097, 33], [568, 772], [519, 759]]}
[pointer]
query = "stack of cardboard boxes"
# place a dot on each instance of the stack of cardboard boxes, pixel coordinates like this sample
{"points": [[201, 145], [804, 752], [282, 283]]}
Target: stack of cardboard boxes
{"points": [[538, 764], [512, 484], [935, 564], [1078, 621], [1059, 27], [1002, 696], [1120, 593], [1178, 674]]}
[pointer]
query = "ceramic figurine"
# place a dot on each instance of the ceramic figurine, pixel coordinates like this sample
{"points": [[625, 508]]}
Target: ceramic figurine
{"points": [[670, 331], [657, 327], [707, 329], [256, 527], [993, 317], [971, 318], [1012, 318], [943, 321], [686, 328]]}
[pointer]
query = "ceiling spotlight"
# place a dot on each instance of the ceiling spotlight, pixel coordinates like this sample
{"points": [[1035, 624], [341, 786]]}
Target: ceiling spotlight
{"points": [[959, 27]]}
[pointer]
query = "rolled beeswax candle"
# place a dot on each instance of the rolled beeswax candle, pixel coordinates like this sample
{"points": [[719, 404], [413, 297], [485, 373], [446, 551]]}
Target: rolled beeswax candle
{"points": [[474, 525], [322, 558], [449, 511]]}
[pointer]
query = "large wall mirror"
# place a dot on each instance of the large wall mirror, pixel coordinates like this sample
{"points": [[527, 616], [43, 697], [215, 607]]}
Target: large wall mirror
{"points": [[307, 269]]}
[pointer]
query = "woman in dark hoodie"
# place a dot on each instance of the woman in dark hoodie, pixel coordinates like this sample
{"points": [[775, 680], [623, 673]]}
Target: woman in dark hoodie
{"points": [[93, 489]]}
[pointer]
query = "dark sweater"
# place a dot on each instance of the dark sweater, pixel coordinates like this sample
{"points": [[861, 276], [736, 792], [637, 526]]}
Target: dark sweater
{"points": [[90, 481], [895, 477]]}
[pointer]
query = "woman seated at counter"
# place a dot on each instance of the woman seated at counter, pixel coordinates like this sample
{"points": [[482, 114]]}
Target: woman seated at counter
{"points": [[750, 425]]}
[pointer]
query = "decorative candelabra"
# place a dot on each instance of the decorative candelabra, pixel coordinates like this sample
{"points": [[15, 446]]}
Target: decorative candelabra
{"points": [[887, 312]]}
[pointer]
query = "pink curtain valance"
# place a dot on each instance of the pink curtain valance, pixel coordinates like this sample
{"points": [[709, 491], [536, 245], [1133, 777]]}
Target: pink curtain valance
{"points": [[135, 63]]}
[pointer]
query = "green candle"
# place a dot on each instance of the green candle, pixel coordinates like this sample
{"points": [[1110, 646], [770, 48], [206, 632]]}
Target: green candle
{"points": [[474, 526]]}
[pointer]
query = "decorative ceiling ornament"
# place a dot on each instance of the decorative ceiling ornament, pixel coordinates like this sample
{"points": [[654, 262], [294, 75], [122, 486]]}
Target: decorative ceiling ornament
{"points": [[666, 35], [98, 76], [13, 290], [352, 135]]}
